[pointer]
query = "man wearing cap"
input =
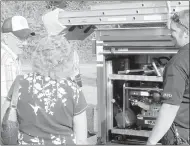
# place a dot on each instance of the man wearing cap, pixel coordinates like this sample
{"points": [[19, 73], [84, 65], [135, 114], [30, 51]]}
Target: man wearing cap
{"points": [[172, 125], [17, 32], [18, 26]]}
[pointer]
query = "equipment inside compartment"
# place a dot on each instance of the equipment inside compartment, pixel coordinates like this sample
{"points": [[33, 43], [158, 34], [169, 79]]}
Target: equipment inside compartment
{"points": [[142, 99]]}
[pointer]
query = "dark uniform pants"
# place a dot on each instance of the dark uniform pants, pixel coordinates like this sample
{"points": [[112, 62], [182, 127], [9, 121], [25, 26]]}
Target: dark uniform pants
{"points": [[170, 139]]}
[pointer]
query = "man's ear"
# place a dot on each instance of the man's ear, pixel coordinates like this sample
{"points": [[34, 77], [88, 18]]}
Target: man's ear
{"points": [[186, 34]]}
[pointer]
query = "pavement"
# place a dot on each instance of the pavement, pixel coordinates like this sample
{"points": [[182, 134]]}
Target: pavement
{"points": [[88, 75], [89, 88]]}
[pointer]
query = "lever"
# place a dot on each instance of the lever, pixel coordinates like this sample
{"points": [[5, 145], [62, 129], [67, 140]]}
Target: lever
{"points": [[156, 69]]}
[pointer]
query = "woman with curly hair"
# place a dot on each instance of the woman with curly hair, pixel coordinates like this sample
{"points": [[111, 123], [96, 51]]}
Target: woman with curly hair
{"points": [[51, 107]]}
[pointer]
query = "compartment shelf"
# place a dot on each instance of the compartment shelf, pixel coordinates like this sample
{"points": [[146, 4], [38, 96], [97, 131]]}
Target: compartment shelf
{"points": [[143, 133], [135, 78]]}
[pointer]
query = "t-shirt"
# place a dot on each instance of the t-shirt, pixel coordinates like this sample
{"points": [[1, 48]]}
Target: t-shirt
{"points": [[176, 85], [46, 108]]}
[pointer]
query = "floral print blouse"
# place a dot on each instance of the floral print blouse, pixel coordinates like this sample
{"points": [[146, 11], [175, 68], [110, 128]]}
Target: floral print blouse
{"points": [[46, 108]]}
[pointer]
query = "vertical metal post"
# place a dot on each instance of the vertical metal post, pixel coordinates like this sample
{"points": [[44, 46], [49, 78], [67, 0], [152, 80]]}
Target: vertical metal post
{"points": [[101, 92], [109, 97], [127, 66], [124, 105], [125, 93]]}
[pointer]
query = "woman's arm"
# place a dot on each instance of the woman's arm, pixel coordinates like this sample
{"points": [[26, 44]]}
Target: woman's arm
{"points": [[8, 99], [80, 128], [7, 102], [4, 108]]}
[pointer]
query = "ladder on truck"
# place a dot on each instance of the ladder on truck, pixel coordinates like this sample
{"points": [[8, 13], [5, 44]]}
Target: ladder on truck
{"points": [[132, 14]]}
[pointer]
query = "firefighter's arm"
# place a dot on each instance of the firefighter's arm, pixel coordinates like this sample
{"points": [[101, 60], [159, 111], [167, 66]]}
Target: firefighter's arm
{"points": [[173, 90], [164, 121]]}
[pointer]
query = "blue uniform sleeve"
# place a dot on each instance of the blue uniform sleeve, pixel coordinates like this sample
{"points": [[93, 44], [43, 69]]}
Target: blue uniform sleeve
{"points": [[174, 85]]}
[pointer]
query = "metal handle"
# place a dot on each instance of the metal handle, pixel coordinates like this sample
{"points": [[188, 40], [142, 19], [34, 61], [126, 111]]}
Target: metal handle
{"points": [[156, 69]]}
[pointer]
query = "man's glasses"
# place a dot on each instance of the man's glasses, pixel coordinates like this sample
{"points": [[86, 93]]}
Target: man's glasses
{"points": [[176, 19]]}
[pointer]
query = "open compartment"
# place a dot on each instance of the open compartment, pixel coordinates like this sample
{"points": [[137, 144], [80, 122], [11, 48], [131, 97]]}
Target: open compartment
{"points": [[134, 87]]}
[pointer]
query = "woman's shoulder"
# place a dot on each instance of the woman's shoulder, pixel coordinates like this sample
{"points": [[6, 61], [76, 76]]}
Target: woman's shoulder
{"points": [[64, 82], [69, 85], [28, 75], [67, 82]]}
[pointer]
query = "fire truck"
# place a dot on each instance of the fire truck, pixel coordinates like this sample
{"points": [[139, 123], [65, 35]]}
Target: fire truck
{"points": [[130, 61]]}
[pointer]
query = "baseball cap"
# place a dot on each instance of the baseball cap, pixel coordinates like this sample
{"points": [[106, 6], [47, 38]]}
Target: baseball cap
{"points": [[17, 25]]}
